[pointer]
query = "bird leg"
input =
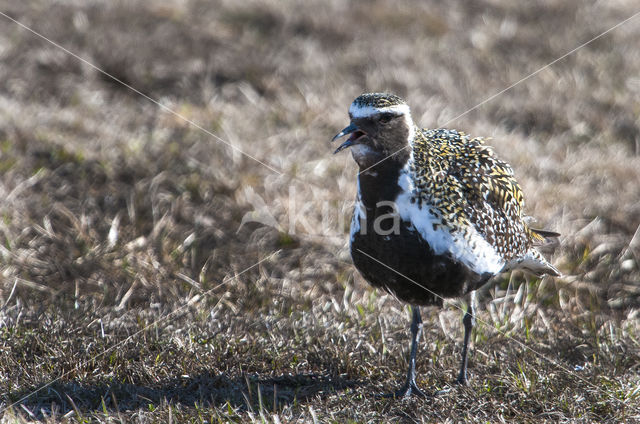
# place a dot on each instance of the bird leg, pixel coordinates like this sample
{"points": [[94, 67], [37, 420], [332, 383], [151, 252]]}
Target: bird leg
{"points": [[468, 322], [410, 387]]}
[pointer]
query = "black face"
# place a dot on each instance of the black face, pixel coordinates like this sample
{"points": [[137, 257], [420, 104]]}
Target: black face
{"points": [[375, 137]]}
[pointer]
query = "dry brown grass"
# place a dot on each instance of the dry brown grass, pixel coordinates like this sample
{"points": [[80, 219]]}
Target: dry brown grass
{"points": [[127, 293]]}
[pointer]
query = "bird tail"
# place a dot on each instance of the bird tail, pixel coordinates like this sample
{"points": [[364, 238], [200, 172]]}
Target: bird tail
{"points": [[533, 262], [543, 237]]}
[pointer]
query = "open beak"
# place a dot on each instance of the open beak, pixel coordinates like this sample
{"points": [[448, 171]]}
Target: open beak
{"points": [[355, 132]]}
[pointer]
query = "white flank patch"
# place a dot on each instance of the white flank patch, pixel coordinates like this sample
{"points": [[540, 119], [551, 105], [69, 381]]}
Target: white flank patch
{"points": [[477, 254], [358, 214], [357, 111]]}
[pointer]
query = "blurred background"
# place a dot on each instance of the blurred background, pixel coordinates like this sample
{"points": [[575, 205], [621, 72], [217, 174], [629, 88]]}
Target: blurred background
{"points": [[207, 237]]}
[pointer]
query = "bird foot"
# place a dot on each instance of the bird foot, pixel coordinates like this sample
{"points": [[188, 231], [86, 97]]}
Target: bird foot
{"points": [[462, 381], [409, 389]]}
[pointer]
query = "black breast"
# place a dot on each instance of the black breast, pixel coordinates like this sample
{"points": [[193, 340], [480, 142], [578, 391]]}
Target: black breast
{"points": [[411, 270]]}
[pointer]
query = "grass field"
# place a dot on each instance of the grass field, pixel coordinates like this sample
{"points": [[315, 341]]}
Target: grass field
{"points": [[140, 283]]}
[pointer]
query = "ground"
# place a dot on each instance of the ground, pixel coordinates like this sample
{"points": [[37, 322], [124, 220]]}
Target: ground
{"points": [[174, 234]]}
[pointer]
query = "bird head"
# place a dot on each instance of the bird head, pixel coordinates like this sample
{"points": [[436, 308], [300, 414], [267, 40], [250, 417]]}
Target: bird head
{"points": [[381, 125]]}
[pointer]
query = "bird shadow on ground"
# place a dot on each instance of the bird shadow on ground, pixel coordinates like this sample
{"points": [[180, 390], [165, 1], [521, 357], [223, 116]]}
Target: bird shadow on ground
{"points": [[244, 392]]}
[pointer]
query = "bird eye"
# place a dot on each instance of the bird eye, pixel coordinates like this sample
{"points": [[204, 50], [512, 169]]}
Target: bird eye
{"points": [[386, 117]]}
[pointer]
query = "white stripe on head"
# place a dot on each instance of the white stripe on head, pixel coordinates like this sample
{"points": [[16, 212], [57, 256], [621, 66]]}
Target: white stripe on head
{"points": [[357, 111]]}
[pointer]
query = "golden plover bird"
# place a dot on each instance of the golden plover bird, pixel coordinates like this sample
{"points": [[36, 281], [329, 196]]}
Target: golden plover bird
{"points": [[437, 214]]}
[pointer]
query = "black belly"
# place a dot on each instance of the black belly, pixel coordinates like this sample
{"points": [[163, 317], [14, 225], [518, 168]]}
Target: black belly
{"points": [[411, 271]]}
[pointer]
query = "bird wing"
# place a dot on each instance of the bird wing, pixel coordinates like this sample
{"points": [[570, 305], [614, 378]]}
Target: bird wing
{"points": [[472, 187], [473, 196], [494, 197]]}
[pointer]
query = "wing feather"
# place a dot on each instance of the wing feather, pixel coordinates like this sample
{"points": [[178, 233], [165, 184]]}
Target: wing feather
{"points": [[472, 186]]}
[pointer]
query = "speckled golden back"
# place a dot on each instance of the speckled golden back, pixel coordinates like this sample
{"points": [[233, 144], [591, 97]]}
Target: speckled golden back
{"points": [[467, 186]]}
